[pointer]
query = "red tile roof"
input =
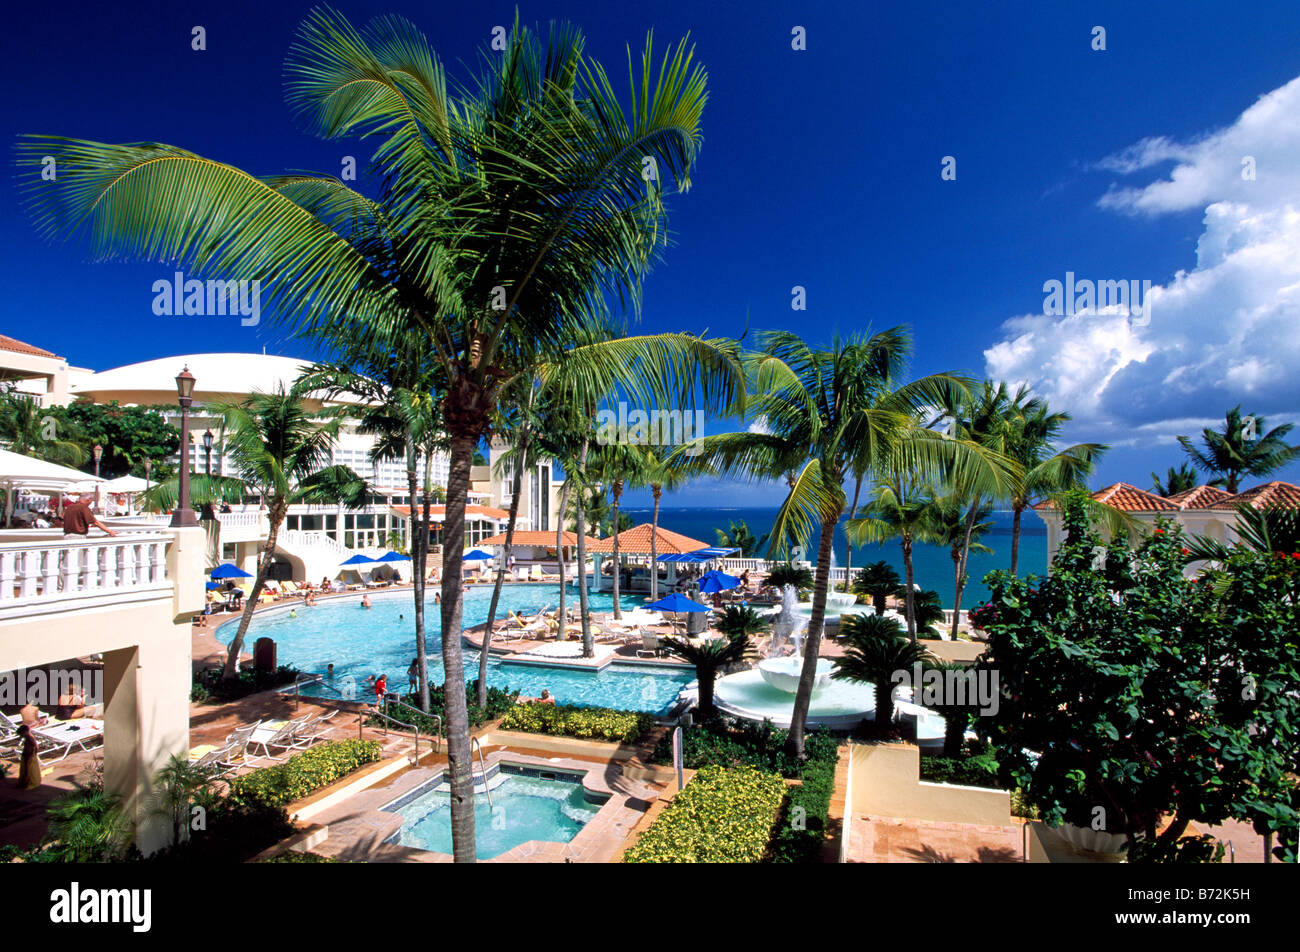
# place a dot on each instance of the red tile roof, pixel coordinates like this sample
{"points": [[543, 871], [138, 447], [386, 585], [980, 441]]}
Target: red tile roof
{"points": [[536, 537], [636, 541], [1201, 497], [18, 347], [1126, 498], [1264, 496]]}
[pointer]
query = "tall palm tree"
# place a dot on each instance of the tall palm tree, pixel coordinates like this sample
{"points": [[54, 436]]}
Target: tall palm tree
{"points": [[280, 449], [1241, 448], [738, 535], [29, 431], [1178, 479], [510, 217], [617, 465], [951, 525], [878, 581], [899, 508], [839, 411], [875, 648], [709, 657], [661, 470]]}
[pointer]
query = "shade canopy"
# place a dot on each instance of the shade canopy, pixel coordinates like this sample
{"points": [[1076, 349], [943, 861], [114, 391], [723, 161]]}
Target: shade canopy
{"points": [[718, 582], [212, 585], [717, 552], [687, 557], [228, 570], [37, 475], [476, 555], [358, 559], [125, 484], [677, 603], [393, 557]]}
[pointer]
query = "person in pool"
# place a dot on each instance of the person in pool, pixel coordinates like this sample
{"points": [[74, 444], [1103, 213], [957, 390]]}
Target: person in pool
{"points": [[381, 690], [329, 670], [413, 675], [365, 601]]}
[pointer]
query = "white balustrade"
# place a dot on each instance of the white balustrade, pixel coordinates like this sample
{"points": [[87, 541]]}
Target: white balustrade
{"points": [[40, 571]]}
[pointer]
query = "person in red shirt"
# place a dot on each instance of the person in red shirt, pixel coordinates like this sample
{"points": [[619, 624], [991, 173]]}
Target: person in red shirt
{"points": [[381, 689], [78, 518]]}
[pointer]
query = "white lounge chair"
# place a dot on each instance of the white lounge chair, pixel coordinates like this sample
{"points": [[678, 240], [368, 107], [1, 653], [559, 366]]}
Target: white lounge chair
{"points": [[84, 733], [275, 735]]}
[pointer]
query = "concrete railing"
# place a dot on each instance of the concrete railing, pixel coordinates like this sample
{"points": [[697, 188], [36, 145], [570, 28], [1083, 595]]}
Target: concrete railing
{"points": [[43, 570]]}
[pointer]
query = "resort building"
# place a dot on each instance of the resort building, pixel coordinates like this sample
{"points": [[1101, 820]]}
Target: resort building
{"points": [[1203, 511], [36, 374]]}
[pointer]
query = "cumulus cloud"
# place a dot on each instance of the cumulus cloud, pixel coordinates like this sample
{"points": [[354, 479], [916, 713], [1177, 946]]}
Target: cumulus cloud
{"points": [[1225, 332]]}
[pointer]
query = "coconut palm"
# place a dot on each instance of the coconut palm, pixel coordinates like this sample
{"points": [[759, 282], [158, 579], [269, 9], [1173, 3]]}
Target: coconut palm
{"points": [[840, 411], [875, 650], [1241, 448], [617, 465], [951, 525], [661, 470], [1178, 479], [27, 430], [878, 582], [738, 535], [511, 219], [899, 508], [956, 712], [709, 657]]}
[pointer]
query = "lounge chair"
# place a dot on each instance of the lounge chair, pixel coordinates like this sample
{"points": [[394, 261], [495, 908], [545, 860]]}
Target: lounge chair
{"points": [[235, 749], [85, 733], [651, 648], [276, 735], [210, 760]]}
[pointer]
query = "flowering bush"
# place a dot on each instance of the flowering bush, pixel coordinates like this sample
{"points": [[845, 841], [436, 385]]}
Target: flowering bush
{"points": [[583, 722], [301, 774]]}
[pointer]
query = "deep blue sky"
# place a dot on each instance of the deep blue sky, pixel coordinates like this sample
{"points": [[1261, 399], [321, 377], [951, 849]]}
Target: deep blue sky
{"points": [[820, 168]]}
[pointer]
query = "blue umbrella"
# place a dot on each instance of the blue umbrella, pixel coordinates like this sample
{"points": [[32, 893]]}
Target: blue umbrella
{"points": [[716, 552], [718, 582], [227, 570], [676, 602], [476, 555], [393, 557], [691, 557], [358, 559], [212, 585]]}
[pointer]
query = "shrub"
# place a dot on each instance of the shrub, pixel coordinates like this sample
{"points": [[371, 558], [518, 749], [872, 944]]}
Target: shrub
{"points": [[724, 815], [294, 856], [233, 833], [585, 722], [208, 685], [801, 834], [301, 774], [500, 700], [757, 745]]}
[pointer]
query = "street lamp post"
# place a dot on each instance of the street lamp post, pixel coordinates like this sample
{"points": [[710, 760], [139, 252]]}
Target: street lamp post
{"points": [[148, 468], [97, 451], [207, 450], [183, 515]]}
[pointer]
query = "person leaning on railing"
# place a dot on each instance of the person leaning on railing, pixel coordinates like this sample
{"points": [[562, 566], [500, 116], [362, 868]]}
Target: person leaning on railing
{"points": [[78, 519]]}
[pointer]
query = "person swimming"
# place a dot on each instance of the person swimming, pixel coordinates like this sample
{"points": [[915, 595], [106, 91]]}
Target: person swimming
{"points": [[365, 601]]}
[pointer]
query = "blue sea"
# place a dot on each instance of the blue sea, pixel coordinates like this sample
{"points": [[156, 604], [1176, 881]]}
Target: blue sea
{"points": [[932, 564]]}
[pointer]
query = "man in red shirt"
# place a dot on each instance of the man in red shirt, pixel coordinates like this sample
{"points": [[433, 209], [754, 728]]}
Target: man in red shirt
{"points": [[78, 518]]}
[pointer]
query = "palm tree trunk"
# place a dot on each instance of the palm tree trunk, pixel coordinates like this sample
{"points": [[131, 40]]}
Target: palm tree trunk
{"points": [[705, 675], [908, 593], [656, 491], [559, 553], [1017, 509], [419, 553], [813, 641], [515, 486], [848, 559], [965, 557], [618, 492], [275, 516], [455, 713], [588, 644], [954, 733], [884, 707]]}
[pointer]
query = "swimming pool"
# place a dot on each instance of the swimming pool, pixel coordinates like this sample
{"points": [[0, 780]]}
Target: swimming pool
{"points": [[527, 804], [381, 640]]}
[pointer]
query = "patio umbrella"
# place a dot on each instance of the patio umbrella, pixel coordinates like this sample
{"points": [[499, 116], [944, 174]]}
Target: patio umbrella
{"points": [[715, 581], [677, 604], [393, 557], [357, 559], [210, 586], [476, 555], [227, 570]]}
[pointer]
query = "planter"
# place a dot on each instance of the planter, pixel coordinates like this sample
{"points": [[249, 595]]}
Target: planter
{"points": [[1093, 841]]}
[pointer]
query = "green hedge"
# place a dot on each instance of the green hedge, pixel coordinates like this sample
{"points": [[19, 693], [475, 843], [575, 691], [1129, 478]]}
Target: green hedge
{"points": [[301, 774], [585, 722], [801, 834], [724, 815]]}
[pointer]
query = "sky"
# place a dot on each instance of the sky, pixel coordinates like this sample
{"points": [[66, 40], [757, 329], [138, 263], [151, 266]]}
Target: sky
{"points": [[822, 168]]}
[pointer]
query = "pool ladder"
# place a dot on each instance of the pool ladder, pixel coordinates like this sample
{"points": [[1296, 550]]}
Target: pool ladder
{"points": [[482, 766]]}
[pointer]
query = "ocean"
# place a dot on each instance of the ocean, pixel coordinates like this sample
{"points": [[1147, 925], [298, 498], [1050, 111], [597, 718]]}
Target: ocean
{"points": [[932, 564]]}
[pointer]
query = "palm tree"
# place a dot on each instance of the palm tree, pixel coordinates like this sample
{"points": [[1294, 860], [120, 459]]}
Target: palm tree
{"points": [[787, 573], [29, 432], [1178, 479], [839, 411], [878, 581], [660, 471], [899, 508], [510, 218], [875, 649], [709, 657], [87, 825], [1239, 450], [738, 535], [956, 715], [740, 620], [951, 525], [280, 449], [927, 607], [1269, 530], [618, 464]]}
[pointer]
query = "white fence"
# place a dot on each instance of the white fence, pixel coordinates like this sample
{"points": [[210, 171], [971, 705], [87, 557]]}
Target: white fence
{"points": [[36, 571]]}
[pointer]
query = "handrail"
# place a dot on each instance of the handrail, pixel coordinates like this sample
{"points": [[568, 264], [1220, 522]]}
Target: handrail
{"points": [[378, 713], [437, 717], [482, 766]]}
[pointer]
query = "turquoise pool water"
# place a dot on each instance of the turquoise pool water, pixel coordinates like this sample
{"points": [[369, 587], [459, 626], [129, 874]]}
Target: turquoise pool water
{"points": [[381, 640], [523, 808]]}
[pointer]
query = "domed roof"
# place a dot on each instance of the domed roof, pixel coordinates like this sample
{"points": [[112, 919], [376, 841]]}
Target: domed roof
{"points": [[216, 377]]}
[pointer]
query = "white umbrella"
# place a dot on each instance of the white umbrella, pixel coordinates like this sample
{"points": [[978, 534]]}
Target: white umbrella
{"points": [[36, 475], [125, 484]]}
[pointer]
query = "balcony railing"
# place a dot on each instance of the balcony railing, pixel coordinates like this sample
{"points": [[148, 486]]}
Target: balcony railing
{"points": [[42, 570]]}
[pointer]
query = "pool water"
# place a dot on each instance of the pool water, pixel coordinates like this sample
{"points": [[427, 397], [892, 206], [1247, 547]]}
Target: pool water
{"points": [[381, 640], [523, 808]]}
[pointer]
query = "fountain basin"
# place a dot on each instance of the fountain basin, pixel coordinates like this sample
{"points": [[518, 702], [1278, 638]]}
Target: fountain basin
{"points": [[783, 673], [837, 601]]}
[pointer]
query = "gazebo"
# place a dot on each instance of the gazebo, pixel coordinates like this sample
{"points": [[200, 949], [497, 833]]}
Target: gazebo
{"points": [[634, 544]]}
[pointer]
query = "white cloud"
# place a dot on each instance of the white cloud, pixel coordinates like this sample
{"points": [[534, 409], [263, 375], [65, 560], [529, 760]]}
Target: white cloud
{"points": [[1225, 332]]}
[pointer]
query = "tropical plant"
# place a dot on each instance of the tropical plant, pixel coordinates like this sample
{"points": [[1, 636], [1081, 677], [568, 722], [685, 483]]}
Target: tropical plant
{"points": [[709, 657], [738, 535], [31, 430], [661, 470], [1241, 448], [787, 573], [875, 651], [927, 608], [878, 582], [512, 219], [951, 525], [86, 825], [179, 788], [827, 414], [899, 508], [1178, 479], [740, 620], [956, 708], [1269, 530]]}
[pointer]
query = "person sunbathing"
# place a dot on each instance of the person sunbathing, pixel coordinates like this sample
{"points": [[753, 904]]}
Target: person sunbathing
{"points": [[72, 705]]}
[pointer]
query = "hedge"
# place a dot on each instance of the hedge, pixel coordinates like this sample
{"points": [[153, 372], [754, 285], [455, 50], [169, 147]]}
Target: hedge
{"points": [[584, 722], [724, 815], [801, 834], [301, 774]]}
